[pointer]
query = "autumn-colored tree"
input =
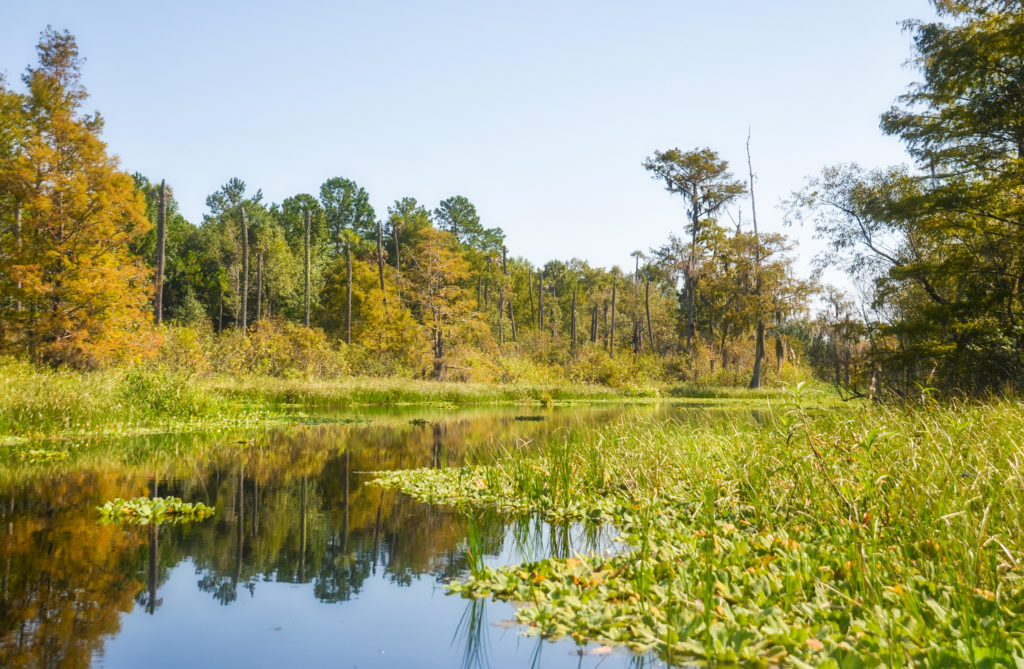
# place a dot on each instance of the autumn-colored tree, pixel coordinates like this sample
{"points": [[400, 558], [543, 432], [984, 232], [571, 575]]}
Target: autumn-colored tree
{"points": [[75, 293], [435, 268]]}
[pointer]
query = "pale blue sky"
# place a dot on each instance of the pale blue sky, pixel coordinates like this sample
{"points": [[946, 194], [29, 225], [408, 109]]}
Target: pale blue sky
{"points": [[538, 112]]}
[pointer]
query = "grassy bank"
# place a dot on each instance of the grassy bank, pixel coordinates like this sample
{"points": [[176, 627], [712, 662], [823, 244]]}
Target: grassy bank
{"points": [[369, 390], [860, 536], [41, 402]]}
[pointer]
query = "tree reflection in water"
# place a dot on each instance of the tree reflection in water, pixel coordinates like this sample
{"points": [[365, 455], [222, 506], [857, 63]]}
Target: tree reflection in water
{"points": [[290, 507]]}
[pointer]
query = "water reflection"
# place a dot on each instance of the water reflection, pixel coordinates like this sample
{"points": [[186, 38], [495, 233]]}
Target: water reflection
{"points": [[291, 513]]}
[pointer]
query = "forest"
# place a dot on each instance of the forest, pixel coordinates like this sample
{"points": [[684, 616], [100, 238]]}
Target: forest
{"points": [[98, 268], [282, 430]]}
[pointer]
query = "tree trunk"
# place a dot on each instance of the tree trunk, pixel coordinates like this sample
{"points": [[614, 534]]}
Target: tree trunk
{"points": [[780, 354], [725, 335], [18, 245], [220, 318], [647, 308], [691, 285], [487, 283], [755, 378], [593, 325], [380, 260], [529, 282], [575, 290], [259, 285], [398, 265], [305, 264], [611, 336], [161, 242], [479, 293], [512, 320], [348, 293], [245, 271], [540, 300], [604, 321]]}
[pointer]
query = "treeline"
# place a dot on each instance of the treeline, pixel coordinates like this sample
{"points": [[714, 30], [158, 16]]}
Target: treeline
{"points": [[936, 249], [100, 267]]}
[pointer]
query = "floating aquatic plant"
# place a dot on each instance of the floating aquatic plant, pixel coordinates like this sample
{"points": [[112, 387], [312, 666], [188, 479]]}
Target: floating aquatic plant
{"points": [[147, 510]]}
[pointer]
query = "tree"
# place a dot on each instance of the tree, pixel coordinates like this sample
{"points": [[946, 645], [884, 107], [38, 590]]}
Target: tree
{"points": [[75, 292], [346, 207], [705, 181], [228, 237], [458, 216], [436, 267]]}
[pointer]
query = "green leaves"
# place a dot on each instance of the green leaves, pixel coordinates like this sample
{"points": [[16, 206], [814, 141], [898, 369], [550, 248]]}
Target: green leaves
{"points": [[815, 539], [153, 510]]}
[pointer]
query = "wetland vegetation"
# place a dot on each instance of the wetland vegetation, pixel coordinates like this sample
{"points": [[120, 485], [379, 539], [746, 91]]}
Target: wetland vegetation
{"points": [[303, 416]]}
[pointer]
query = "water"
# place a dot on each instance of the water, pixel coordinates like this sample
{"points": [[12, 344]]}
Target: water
{"points": [[302, 563]]}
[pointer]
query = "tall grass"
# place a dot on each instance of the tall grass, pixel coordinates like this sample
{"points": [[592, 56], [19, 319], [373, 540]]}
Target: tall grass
{"points": [[857, 536], [40, 401]]}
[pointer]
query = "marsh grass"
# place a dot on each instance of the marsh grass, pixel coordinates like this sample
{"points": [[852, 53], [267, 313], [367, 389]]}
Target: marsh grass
{"points": [[41, 402], [355, 390], [855, 536]]}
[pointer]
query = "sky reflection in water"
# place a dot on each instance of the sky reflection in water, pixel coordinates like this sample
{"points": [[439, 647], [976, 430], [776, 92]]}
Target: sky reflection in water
{"points": [[302, 563]]}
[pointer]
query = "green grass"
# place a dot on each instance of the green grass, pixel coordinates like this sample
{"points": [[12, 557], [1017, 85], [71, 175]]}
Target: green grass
{"points": [[41, 402], [347, 391], [856, 536]]}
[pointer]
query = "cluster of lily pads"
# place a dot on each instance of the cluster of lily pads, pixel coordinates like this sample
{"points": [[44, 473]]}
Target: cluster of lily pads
{"points": [[803, 562], [43, 455], [153, 510]]}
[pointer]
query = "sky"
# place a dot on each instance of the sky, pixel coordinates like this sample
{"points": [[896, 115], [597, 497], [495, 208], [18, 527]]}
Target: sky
{"points": [[541, 113]]}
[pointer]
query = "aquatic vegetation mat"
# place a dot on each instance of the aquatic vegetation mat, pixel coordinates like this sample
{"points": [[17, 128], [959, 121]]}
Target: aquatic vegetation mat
{"points": [[806, 538], [153, 510]]}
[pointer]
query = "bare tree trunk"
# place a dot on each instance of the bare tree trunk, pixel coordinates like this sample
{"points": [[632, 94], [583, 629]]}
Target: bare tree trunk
{"points": [[780, 354], [529, 282], [604, 321], [398, 264], [611, 340], [540, 300], [19, 245], [305, 264], [259, 285], [479, 293], [487, 283], [245, 271], [380, 260], [593, 325], [512, 320], [220, 319], [575, 290], [647, 308], [755, 379], [348, 293], [725, 335], [161, 242]]}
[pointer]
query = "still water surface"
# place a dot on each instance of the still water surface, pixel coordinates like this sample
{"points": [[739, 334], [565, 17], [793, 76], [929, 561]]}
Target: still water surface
{"points": [[301, 565]]}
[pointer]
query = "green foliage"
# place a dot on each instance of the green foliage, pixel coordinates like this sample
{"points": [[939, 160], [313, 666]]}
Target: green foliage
{"points": [[938, 249], [153, 510], [857, 536]]}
